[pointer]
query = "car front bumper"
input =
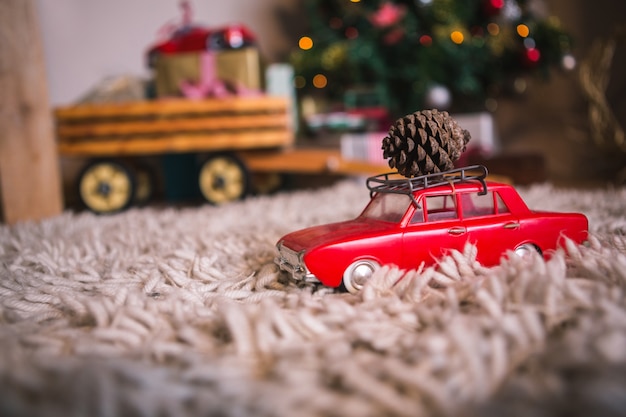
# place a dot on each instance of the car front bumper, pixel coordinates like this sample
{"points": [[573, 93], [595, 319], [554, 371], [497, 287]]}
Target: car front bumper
{"points": [[292, 262]]}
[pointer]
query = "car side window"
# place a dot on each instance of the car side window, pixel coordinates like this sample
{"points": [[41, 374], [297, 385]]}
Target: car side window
{"points": [[476, 205], [502, 208], [440, 207], [387, 207], [418, 215]]}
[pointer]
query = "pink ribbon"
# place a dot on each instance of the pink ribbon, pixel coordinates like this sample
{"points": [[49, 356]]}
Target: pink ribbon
{"points": [[210, 85]]}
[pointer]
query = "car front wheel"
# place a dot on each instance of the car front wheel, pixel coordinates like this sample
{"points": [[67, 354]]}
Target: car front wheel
{"points": [[358, 273]]}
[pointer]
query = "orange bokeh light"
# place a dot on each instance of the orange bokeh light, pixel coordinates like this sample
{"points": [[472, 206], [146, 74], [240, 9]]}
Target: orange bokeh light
{"points": [[305, 43], [320, 81], [457, 37], [523, 30]]}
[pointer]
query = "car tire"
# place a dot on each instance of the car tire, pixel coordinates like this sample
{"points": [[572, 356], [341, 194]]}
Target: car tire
{"points": [[526, 250], [358, 273]]}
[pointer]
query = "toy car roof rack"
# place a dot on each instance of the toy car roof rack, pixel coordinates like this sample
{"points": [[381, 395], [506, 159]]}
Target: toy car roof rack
{"points": [[382, 183]]}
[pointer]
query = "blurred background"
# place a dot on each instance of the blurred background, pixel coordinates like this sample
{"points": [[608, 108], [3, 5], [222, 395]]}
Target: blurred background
{"points": [[549, 74]]}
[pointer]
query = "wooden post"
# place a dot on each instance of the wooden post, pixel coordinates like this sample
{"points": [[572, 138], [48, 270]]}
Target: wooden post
{"points": [[30, 181]]}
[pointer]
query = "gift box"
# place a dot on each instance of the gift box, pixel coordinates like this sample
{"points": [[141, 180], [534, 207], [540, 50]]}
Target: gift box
{"points": [[172, 70], [240, 66], [236, 67]]}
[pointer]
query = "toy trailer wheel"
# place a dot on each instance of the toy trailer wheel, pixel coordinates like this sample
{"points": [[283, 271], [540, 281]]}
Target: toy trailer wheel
{"points": [[266, 182], [223, 178], [106, 187], [144, 185], [358, 273]]}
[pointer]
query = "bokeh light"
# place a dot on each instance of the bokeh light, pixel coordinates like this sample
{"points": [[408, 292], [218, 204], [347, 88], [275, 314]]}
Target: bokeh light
{"points": [[299, 81], [523, 30], [493, 29], [533, 54], [352, 33], [320, 81], [520, 85], [426, 40], [305, 43], [491, 104], [335, 23], [568, 62], [457, 37]]}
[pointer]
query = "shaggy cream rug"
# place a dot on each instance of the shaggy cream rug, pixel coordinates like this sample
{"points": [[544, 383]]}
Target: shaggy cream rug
{"points": [[181, 312]]}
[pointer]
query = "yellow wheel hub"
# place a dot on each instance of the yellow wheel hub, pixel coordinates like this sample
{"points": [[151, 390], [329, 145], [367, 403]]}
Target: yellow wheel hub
{"points": [[105, 187], [222, 180]]}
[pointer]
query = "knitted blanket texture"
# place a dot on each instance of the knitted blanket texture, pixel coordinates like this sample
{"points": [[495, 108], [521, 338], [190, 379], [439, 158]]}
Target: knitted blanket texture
{"points": [[182, 312]]}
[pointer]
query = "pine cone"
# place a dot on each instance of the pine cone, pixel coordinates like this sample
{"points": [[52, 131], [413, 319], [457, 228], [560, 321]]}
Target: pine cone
{"points": [[425, 142]]}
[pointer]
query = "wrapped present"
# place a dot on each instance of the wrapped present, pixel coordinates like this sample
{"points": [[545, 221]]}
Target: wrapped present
{"points": [[172, 70], [240, 66], [209, 73]]}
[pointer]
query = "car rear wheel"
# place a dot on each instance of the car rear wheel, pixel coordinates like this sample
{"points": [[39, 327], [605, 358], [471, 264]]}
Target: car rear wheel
{"points": [[526, 250], [358, 273]]}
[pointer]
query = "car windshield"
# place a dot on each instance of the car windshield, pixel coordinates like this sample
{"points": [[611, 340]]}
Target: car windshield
{"points": [[387, 207]]}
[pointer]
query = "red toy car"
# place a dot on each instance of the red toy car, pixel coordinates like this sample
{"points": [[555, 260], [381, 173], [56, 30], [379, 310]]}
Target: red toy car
{"points": [[197, 39], [410, 222]]}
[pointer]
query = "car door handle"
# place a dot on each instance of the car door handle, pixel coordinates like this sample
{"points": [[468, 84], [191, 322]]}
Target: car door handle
{"points": [[457, 231], [511, 225]]}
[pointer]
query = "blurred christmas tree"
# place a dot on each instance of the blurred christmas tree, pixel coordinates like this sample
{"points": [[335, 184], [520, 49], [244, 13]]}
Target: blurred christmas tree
{"points": [[447, 54]]}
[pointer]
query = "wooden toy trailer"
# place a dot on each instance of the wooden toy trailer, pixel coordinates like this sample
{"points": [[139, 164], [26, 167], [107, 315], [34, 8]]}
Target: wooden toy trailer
{"points": [[232, 137]]}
